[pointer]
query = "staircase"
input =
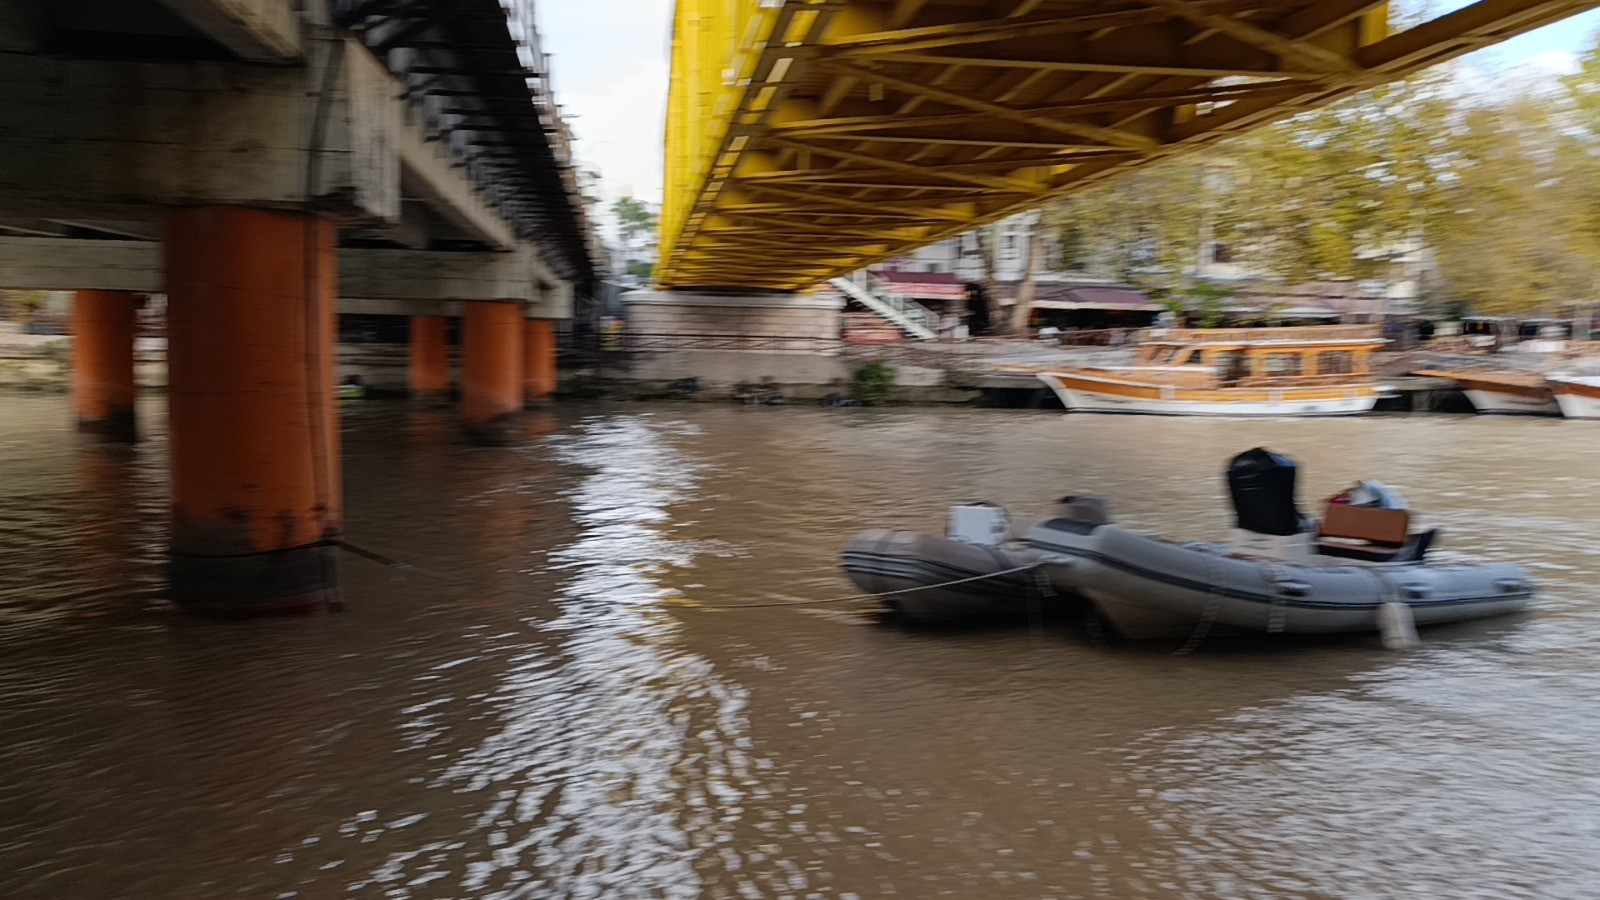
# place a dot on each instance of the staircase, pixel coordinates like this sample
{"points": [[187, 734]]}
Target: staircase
{"points": [[909, 315]]}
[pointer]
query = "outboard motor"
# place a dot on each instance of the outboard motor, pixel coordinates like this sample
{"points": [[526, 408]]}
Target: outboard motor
{"points": [[985, 524], [1266, 520], [1090, 509]]}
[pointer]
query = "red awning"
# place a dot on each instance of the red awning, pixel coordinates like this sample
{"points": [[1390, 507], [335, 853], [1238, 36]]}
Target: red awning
{"points": [[924, 285]]}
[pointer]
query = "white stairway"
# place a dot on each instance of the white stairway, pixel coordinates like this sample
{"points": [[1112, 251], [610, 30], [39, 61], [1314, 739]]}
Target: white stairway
{"points": [[909, 315]]}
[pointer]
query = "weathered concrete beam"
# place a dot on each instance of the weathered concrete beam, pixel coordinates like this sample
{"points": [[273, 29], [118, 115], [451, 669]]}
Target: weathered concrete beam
{"points": [[368, 306], [434, 275], [74, 264], [554, 303], [110, 139], [430, 172], [388, 282], [265, 31], [104, 136]]}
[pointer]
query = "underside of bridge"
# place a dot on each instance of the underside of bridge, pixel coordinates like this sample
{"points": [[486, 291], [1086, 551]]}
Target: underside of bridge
{"points": [[809, 138], [264, 163]]}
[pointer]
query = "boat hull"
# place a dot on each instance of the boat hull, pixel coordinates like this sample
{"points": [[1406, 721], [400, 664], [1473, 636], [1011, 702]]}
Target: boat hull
{"points": [[1147, 588], [1086, 395], [918, 569], [1504, 403], [1579, 398]]}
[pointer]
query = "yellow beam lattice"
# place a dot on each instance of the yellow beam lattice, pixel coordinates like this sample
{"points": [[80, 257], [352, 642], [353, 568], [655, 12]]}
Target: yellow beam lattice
{"points": [[808, 138]]}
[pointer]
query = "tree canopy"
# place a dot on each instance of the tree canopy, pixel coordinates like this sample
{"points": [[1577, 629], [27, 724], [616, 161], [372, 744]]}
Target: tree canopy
{"points": [[1502, 190]]}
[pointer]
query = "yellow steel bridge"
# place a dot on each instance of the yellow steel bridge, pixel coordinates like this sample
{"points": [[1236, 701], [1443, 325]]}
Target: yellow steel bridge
{"points": [[808, 138]]}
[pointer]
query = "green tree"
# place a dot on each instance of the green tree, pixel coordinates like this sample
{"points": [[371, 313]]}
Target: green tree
{"points": [[634, 217]]}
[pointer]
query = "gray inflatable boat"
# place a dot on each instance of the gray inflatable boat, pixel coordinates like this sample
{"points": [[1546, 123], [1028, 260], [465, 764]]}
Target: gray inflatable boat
{"points": [[1283, 573], [1146, 587], [917, 571]]}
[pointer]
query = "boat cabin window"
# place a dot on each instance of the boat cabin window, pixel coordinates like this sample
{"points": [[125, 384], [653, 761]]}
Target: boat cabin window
{"points": [[1163, 355], [1336, 362], [1188, 356], [1231, 365], [1281, 365]]}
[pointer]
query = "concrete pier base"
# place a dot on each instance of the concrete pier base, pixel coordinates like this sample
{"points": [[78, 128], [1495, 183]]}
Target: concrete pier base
{"points": [[724, 340], [491, 380], [104, 325], [428, 376], [539, 362]]}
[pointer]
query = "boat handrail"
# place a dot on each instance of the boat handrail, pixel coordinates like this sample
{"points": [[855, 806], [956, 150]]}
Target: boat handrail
{"points": [[1292, 334]]}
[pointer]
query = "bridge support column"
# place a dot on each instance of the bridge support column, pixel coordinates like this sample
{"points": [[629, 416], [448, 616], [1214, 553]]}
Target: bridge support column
{"points": [[491, 378], [539, 361], [256, 488], [429, 373], [103, 391]]}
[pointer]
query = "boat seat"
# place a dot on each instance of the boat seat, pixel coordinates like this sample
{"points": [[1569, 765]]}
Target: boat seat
{"points": [[1364, 532]]}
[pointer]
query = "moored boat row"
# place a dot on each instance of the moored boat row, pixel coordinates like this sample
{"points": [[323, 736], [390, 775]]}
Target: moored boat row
{"points": [[1320, 370]]}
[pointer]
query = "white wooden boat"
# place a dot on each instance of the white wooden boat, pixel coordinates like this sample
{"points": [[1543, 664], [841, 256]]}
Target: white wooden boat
{"points": [[1503, 393], [1577, 395], [1304, 371]]}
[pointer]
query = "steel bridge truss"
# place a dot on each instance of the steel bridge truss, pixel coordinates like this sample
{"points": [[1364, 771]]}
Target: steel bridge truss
{"points": [[809, 138]]}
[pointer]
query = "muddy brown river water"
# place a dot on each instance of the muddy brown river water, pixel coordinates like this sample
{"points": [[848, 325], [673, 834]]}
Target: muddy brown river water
{"points": [[559, 720]]}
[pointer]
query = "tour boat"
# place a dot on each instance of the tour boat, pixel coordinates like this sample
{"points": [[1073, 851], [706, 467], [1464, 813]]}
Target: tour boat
{"points": [[1320, 370], [1578, 395], [1503, 393], [1360, 570]]}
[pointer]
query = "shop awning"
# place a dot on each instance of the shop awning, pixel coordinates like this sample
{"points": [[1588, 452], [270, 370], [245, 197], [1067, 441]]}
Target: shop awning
{"points": [[1096, 297]]}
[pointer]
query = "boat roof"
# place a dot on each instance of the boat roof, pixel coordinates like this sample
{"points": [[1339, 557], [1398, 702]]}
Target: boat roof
{"points": [[1287, 338]]}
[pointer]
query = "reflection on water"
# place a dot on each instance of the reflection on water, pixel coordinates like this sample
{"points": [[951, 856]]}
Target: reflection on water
{"points": [[556, 718]]}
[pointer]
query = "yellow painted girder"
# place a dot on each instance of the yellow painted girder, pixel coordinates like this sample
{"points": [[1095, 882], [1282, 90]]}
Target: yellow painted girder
{"points": [[808, 138]]}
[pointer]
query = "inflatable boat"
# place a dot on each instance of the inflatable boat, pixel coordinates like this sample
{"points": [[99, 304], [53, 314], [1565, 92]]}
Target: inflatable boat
{"points": [[1147, 587], [916, 571], [1281, 574], [978, 570]]}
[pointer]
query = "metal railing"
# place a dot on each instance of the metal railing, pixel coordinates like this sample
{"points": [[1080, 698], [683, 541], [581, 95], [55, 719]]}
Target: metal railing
{"points": [[916, 319], [1289, 334]]}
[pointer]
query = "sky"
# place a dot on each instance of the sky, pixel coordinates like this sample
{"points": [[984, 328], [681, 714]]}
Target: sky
{"points": [[610, 75]]}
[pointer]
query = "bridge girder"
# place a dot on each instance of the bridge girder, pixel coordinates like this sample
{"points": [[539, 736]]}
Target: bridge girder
{"points": [[883, 125]]}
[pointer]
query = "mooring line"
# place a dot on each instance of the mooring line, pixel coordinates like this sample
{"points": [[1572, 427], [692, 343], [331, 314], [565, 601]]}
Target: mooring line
{"points": [[392, 563]]}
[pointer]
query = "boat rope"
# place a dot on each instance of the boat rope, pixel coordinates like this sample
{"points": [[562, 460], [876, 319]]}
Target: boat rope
{"points": [[1208, 616], [874, 595], [397, 565], [1388, 591]]}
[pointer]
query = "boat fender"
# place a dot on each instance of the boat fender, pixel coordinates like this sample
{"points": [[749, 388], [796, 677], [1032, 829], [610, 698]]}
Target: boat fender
{"points": [[1397, 626]]}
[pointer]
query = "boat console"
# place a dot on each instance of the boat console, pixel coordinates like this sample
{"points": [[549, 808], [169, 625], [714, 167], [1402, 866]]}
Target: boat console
{"points": [[1268, 523]]}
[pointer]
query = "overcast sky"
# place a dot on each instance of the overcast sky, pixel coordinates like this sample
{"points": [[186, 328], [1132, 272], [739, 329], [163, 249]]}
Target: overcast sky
{"points": [[611, 76]]}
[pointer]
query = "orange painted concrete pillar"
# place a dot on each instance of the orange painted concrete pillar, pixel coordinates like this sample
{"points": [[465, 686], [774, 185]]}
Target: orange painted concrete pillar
{"points": [[256, 482], [539, 361], [491, 377], [104, 324], [429, 374]]}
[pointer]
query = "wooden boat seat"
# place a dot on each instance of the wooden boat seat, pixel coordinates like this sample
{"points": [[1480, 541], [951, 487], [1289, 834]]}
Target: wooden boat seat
{"points": [[1363, 532]]}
